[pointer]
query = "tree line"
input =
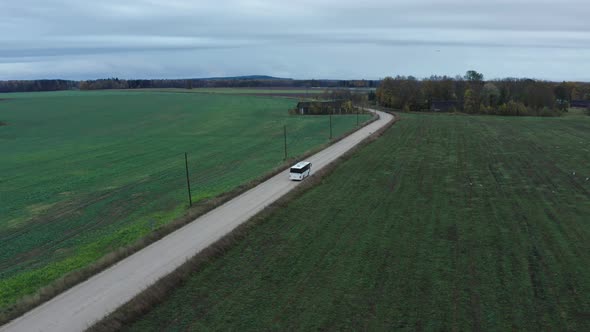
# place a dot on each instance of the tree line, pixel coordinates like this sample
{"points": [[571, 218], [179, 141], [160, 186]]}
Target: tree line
{"points": [[472, 94], [469, 93], [115, 83], [37, 85], [235, 82]]}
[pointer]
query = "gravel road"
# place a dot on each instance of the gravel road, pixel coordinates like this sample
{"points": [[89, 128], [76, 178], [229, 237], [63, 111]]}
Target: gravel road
{"points": [[77, 308]]}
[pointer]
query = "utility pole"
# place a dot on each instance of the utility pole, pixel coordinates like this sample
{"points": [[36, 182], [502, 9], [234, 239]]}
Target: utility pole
{"points": [[285, 136], [330, 125], [188, 181]]}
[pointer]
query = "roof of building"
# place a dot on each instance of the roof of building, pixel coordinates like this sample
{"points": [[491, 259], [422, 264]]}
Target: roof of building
{"points": [[580, 103], [301, 164], [320, 102]]}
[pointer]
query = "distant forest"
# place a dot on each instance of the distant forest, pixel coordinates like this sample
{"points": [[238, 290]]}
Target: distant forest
{"points": [[236, 82], [469, 93], [472, 94], [38, 85]]}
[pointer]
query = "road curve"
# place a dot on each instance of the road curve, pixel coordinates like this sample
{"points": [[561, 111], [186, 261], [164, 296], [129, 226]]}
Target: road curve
{"points": [[80, 306]]}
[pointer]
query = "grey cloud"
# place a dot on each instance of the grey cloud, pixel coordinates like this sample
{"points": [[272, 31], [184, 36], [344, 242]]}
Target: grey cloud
{"points": [[205, 38]]}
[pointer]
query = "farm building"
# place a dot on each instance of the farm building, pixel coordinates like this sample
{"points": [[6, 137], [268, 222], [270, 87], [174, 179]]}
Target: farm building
{"points": [[443, 105], [320, 107], [580, 103]]}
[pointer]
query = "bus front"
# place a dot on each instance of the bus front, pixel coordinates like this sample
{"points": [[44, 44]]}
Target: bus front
{"points": [[295, 174]]}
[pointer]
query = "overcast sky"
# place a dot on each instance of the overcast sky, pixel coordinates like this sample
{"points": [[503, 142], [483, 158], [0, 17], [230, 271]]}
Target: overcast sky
{"points": [[77, 39]]}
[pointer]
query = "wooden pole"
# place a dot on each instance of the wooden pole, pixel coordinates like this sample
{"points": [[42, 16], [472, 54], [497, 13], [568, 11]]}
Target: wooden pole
{"points": [[188, 181], [285, 136], [330, 126]]}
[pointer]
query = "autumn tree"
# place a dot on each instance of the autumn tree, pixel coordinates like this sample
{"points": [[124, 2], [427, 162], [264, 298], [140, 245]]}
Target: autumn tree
{"points": [[490, 94], [470, 103], [348, 107], [539, 95], [438, 88], [385, 92]]}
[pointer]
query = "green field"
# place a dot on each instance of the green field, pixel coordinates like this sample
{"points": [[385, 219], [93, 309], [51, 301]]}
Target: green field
{"points": [[462, 223], [244, 91], [84, 173]]}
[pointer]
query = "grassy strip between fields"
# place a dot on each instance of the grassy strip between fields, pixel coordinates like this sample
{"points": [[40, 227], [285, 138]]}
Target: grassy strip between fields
{"points": [[71, 279], [157, 293]]}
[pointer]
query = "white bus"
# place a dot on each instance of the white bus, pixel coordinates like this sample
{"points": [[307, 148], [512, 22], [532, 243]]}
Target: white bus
{"points": [[300, 171]]}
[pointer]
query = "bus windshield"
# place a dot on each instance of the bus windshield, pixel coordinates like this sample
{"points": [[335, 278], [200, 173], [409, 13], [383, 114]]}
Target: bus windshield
{"points": [[297, 170]]}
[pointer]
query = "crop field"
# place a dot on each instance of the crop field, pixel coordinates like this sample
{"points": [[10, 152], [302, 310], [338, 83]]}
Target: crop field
{"points": [[84, 173], [297, 93], [281, 91], [266, 92], [445, 223]]}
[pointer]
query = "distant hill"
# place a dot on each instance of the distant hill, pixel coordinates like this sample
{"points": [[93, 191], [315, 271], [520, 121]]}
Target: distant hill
{"points": [[247, 77]]}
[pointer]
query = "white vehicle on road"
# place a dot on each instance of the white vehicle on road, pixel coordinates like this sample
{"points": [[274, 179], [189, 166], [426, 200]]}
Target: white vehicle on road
{"points": [[300, 171]]}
